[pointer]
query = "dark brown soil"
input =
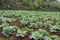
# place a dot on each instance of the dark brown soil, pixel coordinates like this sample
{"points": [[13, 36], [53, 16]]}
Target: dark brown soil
{"points": [[0, 5]]}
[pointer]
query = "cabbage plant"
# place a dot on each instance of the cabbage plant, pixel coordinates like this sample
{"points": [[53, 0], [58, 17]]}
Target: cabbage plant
{"points": [[40, 35], [21, 33], [55, 28], [7, 31]]}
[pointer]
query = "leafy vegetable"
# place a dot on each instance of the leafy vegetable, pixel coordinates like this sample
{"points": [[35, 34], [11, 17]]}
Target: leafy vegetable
{"points": [[4, 25], [21, 33], [40, 35], [4, 19], [29, 30], [33, 25], [7, 31], [35, 35], [55, 28], [54, 37]]}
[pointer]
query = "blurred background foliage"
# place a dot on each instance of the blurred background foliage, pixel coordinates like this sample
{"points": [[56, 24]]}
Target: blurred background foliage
{"points": [[44, 5]]}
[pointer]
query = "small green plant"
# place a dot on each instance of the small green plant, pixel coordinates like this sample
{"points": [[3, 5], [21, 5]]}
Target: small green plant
{"points": [[33, 25], [24, 2], [58, 22], [16, 27], [54, 37], [43, 32], [4, 25], [40, 35], [21, 33], [55, 28], [29, 30], [24, 22], [7, 31], [4, 19], [45, 25], [35, 35]]}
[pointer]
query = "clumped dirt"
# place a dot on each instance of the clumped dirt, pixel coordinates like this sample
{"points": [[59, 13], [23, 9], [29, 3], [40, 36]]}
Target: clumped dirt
{"points": [[21, 38]]}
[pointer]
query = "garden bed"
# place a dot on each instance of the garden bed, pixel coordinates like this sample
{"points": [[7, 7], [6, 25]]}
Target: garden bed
{"points": [[22, 25]]}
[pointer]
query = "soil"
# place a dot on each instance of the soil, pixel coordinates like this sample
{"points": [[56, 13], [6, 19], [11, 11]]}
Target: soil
{"points": [[0, 5]]}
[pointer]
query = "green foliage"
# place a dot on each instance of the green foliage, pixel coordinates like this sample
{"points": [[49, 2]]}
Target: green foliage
{"points": [[4, 20], [58, 23], [35, 35], [38, 20], [34, 20], [45, 25], [4, 25], [23, 22], [55, 28], [40, 34], [43, 32], [33, 25], [54, 37], [44, 5], [7, 31], [29, 30], [21, 33], [31, 6], [16, 27], [25, 2]]}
